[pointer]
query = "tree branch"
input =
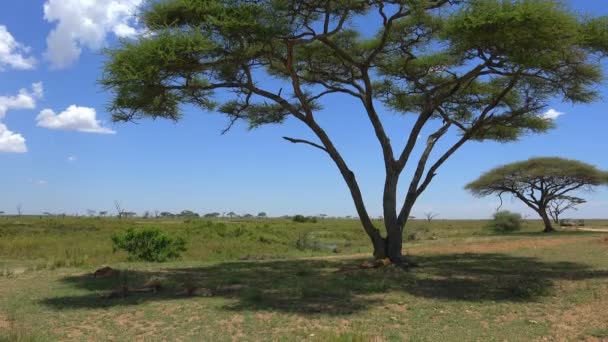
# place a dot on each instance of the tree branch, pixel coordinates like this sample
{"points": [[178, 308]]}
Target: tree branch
{"points": [[303, 141]]}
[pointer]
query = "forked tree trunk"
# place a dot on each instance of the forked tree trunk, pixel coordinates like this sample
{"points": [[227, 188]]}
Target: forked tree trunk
{"points": [[547, 221]]}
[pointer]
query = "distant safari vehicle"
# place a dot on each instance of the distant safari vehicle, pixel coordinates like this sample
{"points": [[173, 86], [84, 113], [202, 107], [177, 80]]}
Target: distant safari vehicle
{"points": [[572, 223]]}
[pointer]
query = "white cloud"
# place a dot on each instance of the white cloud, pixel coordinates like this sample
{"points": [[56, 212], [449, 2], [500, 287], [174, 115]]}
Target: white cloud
{"points": [[11, 142], [40, 182], [72, 159], [74, 118], [25, 99], [86, 23], [14, 54], [552, 114]]}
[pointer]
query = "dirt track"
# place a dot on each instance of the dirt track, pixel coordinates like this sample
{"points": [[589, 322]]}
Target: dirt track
{"points": [[597, 230]]}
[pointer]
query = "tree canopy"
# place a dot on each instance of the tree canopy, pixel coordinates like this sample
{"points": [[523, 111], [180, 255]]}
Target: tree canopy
{"points": [[540, 182], [482, 69]]}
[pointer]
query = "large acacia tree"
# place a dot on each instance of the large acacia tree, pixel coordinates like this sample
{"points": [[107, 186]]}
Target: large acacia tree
{"points": [[468, 70], [541, 183]]}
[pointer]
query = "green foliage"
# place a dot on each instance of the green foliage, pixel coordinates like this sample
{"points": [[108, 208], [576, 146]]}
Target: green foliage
{"points": [[188, 214], [303, 219], [475, 57], [149, 245], [506, 222], [551, 177]]}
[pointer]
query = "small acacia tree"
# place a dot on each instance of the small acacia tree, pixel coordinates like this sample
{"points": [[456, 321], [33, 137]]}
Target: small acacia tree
{"points": [[467, 70], [562, 204], [429, 215], [539, 182]]}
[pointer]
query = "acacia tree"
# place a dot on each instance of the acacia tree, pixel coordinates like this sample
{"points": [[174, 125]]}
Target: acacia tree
{"points": [[120, 212], [430, 216], [539, 182], [467, 70], [562, 204]]}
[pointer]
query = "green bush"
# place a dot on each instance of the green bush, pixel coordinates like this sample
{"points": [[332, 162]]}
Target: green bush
{"points": [[506, 221], [304, 219], [150, 245]]}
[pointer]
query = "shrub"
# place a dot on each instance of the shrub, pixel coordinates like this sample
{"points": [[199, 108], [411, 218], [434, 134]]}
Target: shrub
{"points": [[506, 221], [304, 219], [150, 245]]}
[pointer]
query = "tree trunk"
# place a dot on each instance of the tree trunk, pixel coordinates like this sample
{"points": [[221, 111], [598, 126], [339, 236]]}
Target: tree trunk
{"points": [[546, 221], [394, 244], [380, 250]]}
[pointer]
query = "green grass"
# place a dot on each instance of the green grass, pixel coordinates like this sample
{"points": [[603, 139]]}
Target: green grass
{"points": [[471, 284]]}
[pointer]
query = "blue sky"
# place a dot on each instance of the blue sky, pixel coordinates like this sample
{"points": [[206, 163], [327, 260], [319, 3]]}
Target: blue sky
{"points": [[77, 160]]}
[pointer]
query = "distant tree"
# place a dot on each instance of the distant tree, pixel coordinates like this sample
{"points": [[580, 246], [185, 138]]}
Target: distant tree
{"points": [[103, 213], [1, 212], [231, 214], [538, 182], [262, 214], [129, 214], [19, 209], [322, 216], [214, 214], [469, 70], [156, 213], [247, 216], [91, 212], [46, 213], [188, 213], [302, 219], [563, 204], [146, 214], [429, 215], [166, 214], [120, 212]]}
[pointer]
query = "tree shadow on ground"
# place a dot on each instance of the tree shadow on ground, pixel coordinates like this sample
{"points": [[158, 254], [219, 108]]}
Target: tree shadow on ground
{"points": [[337, 287]]}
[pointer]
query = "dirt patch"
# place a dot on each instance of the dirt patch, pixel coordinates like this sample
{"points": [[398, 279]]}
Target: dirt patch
{"points": [[4, 322], [499, 246], [234, 327], [590, 229], [584, 318]]}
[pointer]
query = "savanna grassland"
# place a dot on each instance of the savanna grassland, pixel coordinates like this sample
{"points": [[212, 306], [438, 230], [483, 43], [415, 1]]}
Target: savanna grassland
{"points": [[274, 279]]}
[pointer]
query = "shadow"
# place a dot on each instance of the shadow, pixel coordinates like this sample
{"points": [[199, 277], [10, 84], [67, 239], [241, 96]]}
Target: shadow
{"points": [[337, 287]]}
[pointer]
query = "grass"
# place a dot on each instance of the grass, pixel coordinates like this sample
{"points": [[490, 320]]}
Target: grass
{"points": [[471, 284]]}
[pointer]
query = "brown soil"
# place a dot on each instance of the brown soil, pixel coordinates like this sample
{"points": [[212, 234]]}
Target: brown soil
{"points": [[500, 246], [4, 322]]}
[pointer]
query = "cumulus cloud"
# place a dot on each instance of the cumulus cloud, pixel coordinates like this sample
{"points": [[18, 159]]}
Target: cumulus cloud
{"points": [[74, 118], [11, 142], [14, 54], [552, 114], [25, 99], [86, 23]]}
